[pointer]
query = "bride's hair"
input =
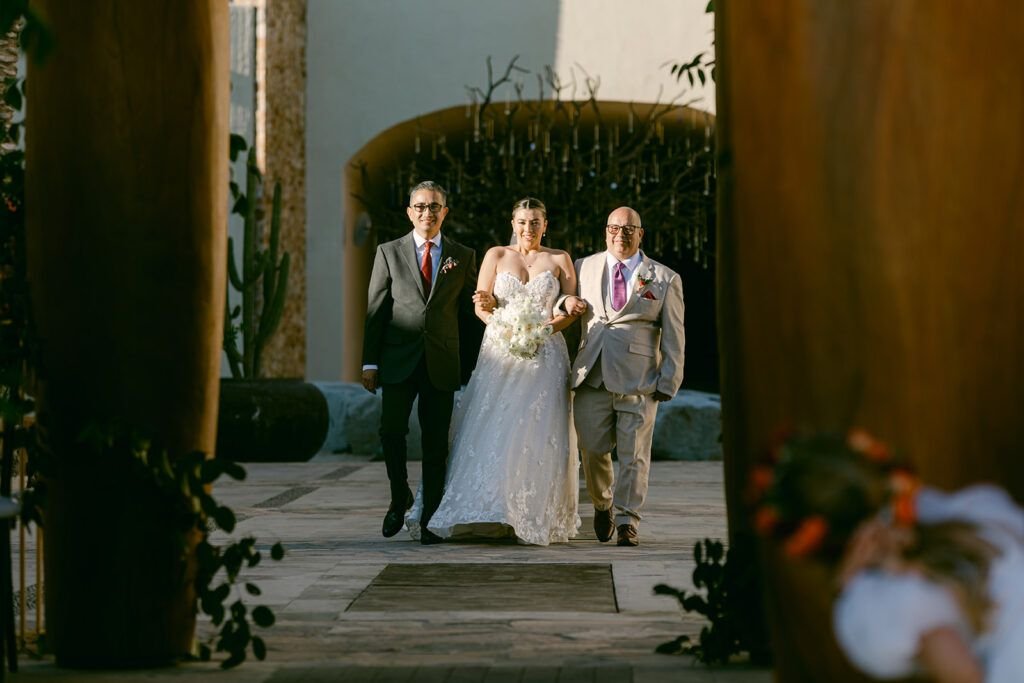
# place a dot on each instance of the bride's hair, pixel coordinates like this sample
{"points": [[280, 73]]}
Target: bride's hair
{"points": [[529, 203]]}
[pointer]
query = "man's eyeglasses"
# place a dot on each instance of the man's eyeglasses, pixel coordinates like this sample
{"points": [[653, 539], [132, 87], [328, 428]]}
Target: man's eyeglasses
{"points": [[434, 207], [627, 230]]}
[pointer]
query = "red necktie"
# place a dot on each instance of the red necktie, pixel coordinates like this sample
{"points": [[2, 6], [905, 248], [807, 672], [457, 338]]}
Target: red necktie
{"points": [[427, 268], [619, 287]]}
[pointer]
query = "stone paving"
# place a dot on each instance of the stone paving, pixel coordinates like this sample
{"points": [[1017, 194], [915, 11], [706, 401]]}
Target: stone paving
{"points": [[327, 512]]}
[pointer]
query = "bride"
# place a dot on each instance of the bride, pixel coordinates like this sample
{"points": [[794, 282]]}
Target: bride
{"points": [[512, 469]]}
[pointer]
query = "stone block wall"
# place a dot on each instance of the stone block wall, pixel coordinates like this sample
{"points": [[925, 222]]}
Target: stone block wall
{"points": [[687, 427]]}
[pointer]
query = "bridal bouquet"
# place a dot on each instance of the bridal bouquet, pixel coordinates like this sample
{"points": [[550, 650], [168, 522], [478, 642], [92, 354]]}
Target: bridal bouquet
{"points": [[520, 327]]}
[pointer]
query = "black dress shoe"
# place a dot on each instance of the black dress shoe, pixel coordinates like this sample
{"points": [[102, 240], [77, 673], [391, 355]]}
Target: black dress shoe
{"points": [[628, 536], [429, 537], [604, 524], [394, 520]]}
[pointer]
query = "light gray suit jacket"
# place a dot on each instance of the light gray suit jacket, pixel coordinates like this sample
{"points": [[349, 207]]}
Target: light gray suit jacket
{"points": [[641, 347], [402, 324]]}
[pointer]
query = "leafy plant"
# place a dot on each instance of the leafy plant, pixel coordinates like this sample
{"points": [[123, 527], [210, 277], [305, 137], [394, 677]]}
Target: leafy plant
{"points": [[17, 341], [184, 485], [696, 69], [263, 278], [730, 601], [35, 37]]}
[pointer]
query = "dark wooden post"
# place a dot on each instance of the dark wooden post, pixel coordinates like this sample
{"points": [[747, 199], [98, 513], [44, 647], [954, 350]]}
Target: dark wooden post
{"points": [[871, 264], [127, 183]]}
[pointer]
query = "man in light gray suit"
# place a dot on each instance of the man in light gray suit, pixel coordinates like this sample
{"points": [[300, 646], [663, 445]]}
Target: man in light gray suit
{"points": [[630, 358], [420, 288]]}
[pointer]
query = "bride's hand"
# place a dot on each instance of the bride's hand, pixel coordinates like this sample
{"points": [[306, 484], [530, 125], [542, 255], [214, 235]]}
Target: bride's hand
{"points": [[574, 305], [485, 300]]}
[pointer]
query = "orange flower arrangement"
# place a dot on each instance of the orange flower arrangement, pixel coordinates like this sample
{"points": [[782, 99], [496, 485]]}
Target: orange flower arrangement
{"points": [[904, 486], [807, 538], [813, 491]]}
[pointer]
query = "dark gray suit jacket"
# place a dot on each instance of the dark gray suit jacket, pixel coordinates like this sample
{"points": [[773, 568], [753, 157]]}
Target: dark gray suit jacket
{"points": [[402, 324]]}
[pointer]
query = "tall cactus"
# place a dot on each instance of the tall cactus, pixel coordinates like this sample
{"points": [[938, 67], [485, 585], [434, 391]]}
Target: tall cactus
{"points": [[259, 315]]}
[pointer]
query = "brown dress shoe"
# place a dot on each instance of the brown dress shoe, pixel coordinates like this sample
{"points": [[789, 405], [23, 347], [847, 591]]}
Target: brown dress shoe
{"points": [[628, 535], [604, 524]]}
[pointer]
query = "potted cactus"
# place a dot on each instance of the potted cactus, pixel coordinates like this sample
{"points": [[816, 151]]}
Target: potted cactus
{"points": [[261, 419]]}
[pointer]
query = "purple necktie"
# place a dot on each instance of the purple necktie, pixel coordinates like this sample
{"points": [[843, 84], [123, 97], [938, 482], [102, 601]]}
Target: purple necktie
{"points": [[619, 287]]}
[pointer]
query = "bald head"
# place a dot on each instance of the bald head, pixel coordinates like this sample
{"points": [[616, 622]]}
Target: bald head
{"points": [[623, 220]]}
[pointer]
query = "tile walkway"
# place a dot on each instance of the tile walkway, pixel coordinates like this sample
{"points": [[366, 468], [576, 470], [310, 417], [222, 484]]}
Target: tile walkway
{"points": [[327, 512]]}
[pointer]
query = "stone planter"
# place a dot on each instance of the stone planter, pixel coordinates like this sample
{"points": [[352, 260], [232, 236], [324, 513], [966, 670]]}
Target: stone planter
{"points": [[270, 420]]}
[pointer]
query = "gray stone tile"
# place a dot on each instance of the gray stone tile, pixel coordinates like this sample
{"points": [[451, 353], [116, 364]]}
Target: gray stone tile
{"points": [[335, 552]]}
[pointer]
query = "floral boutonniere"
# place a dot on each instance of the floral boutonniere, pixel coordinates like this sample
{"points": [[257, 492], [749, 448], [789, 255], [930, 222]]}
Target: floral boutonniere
{"points": [[448, 264], [642, 281]]}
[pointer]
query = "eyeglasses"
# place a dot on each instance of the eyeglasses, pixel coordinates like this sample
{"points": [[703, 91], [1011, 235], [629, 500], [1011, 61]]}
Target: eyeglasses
{"points": [[434, 207], [627, 230]]}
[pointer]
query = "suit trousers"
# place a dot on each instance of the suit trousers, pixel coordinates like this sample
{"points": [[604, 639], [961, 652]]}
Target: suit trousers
{"points": [[435, 416], [605, 420]]}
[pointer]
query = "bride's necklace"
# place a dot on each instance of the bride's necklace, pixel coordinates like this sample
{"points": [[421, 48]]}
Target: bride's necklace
{"points": [[527, 260]]}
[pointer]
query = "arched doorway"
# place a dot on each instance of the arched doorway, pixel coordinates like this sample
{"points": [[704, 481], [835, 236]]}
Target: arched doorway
{"points": [[582, 158]]}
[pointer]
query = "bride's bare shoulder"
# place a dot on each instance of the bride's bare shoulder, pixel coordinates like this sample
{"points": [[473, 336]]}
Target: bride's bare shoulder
{"points": [[555, 253], [497, 253]]}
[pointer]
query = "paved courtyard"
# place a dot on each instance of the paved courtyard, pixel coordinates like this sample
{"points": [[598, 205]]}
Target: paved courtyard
{"points": [[354, 606]]}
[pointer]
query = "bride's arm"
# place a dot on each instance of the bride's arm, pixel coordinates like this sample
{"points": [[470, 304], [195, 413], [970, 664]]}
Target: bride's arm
{"points": [[567, 279], [485, 282]]}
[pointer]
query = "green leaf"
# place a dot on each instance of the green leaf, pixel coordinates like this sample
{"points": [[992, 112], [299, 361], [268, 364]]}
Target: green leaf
{"points": [[254, 559], [234, 470], [234, 660], [210, 470], [674, 647], [710, 8], [263, 616], [12, 98], [237, 145], [225, 518], [277, 551], [716, 551], [204, 652], [259, 648], [253, 589]]}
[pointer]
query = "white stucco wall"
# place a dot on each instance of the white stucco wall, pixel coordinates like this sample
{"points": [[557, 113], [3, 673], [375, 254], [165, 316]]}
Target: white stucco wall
{"points": [[374, 63]]}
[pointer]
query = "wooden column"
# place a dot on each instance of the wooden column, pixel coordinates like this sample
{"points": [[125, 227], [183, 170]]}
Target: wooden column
{"points": [[872, 260], [127, 188]]}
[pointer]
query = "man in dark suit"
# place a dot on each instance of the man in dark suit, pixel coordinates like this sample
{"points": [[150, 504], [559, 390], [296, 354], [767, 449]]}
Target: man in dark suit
{"points": [[421, 285]]}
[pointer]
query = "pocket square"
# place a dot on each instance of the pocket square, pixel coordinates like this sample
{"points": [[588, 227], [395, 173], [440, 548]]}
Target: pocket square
{"points": [[649, 295]]}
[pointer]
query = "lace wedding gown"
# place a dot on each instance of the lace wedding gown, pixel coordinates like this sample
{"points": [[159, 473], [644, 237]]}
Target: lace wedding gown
{"points": [[512, 469]]}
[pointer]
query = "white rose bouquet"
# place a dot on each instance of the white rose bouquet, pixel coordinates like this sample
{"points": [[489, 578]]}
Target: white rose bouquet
{"points": [[520, 326]]}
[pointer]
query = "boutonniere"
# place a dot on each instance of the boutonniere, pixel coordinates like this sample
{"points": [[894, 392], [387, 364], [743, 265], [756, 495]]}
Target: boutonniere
{"points": [[642, 280], [448, 264]]}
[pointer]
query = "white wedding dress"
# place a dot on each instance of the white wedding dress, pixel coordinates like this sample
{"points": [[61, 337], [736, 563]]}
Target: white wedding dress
{"points": [[513, 466]]}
